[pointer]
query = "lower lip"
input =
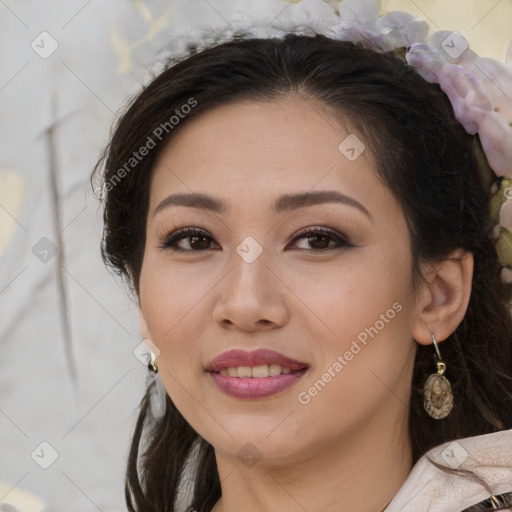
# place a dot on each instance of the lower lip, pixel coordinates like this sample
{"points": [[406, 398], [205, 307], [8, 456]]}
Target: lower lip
{"points": [[241, 387]]}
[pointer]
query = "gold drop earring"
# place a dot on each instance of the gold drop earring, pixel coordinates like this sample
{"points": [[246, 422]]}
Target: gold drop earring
{"points": [[437, 392]]}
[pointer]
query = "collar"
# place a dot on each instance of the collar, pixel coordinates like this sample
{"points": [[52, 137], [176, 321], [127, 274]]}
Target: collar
{"points": [[430, 488]]}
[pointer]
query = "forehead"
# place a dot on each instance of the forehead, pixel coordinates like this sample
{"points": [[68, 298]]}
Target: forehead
{"points": [[251, 151]]}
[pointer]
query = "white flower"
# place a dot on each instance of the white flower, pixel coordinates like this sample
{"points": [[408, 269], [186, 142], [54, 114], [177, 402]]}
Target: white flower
{"points": [[401, 29]]}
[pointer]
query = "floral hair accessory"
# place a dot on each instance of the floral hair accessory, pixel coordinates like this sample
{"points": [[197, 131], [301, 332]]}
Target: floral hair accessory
{"points": [[479, 88]]}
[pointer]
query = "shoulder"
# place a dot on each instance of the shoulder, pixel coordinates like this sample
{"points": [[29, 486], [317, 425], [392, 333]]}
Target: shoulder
{"points": [[459, 475]]}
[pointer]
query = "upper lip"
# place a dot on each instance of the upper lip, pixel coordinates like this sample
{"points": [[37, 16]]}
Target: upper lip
{"points": [[233, 358]]}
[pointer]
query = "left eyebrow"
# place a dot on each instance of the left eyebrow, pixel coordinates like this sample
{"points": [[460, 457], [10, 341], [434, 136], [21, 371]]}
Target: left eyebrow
{"points": [[293, 201], [284, 203]]}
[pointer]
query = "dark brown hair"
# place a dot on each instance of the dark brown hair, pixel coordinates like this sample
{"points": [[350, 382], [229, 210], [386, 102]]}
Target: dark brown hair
{"points": [[434, 168]]}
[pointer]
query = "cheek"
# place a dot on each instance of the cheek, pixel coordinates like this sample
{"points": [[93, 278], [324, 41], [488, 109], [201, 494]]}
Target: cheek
{"points": [[173, 299], [365, 372], [347, 295], [366, 353]]}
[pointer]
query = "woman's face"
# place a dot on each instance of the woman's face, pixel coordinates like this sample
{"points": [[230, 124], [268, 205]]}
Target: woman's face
{"points": [[331, 312]]}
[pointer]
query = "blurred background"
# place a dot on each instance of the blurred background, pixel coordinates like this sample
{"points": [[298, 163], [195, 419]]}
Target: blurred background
{"points": [[72, 367]]}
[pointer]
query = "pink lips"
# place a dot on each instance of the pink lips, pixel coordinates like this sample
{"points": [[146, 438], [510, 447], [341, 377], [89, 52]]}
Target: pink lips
{"points": [[242, 387]]}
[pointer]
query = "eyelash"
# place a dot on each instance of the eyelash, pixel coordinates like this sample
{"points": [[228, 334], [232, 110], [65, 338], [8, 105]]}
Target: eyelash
{"points": [[169, 241]]}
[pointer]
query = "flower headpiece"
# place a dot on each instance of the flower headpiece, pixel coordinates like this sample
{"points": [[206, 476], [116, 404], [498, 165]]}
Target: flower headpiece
{"points": [[479, 88]]}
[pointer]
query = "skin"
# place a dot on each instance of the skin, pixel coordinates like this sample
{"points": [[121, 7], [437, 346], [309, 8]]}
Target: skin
{"points": [[350, 440]]}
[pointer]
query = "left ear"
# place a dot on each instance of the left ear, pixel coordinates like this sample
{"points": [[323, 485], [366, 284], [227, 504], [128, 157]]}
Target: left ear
{"points": [[443, 297]]}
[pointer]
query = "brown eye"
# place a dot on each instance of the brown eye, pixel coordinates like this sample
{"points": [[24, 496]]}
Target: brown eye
{"points": [[201, 241], [198, 240], [321, 239]]}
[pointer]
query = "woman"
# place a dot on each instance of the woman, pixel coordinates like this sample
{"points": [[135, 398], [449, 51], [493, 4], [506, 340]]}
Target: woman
{"points": [[305, 226]]}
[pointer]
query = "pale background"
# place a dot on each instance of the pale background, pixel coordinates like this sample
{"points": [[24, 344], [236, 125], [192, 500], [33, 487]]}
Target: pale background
{"points": [[68, 374]]}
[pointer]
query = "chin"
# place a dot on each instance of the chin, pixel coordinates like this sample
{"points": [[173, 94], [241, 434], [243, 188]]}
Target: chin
{"points": [[258, 439]]}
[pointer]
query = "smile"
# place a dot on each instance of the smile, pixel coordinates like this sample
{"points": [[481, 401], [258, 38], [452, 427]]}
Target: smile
{"points": [[257, 374]]}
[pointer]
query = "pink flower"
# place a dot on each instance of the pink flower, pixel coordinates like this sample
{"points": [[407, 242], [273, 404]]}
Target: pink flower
{"points": [[480, 91]]}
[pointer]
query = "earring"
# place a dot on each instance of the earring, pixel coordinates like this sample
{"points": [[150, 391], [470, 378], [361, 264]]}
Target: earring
{"points": [[437, 392], [152, 363], [158, 394]]}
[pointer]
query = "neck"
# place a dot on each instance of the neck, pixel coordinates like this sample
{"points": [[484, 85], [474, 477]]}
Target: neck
{"points": [[359, 473]]}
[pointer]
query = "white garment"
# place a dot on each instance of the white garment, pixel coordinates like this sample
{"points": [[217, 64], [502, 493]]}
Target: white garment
{"points": [[429, 488]]}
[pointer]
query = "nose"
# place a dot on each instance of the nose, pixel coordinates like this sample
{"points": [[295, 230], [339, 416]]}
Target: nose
{"points": [[250, 297]]}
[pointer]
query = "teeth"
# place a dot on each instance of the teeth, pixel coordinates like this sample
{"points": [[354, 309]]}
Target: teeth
{"points": [[244, 371], [258, 372]]}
